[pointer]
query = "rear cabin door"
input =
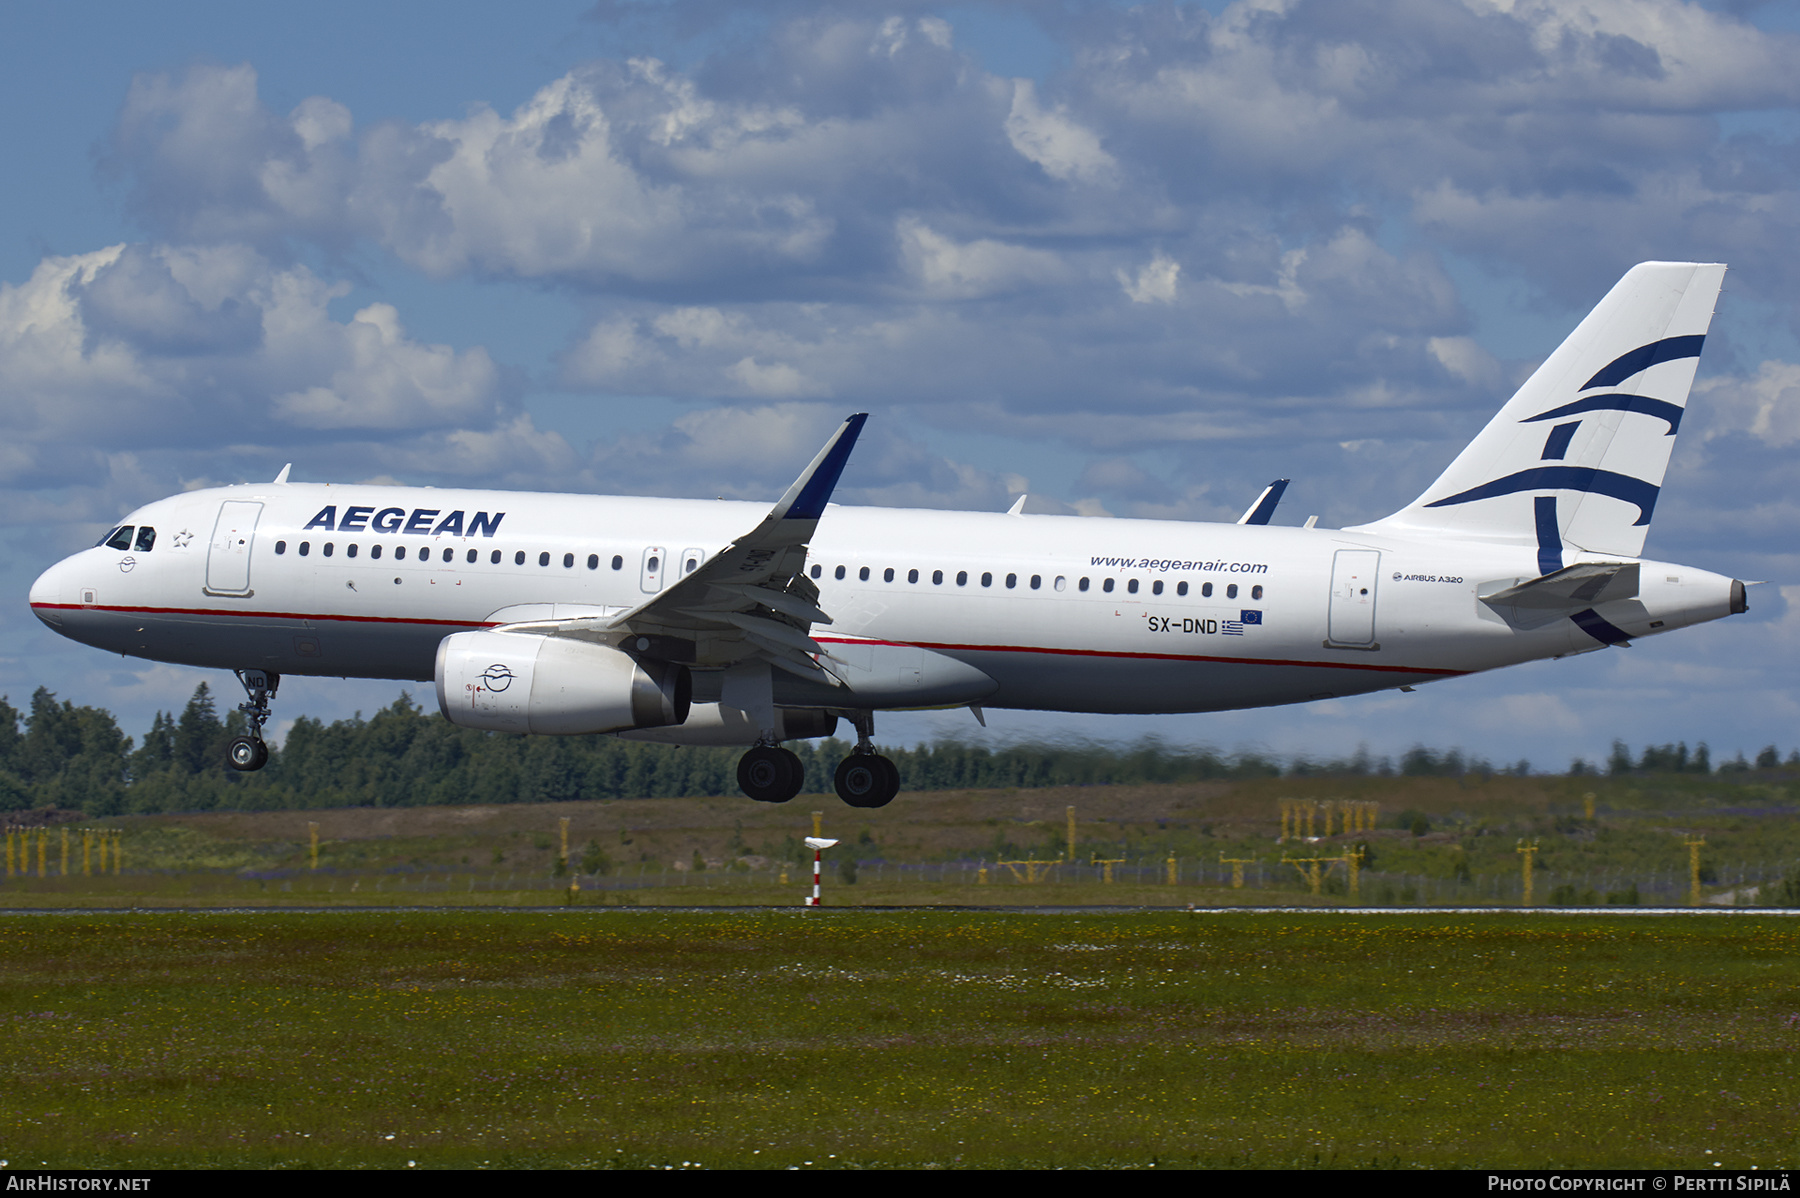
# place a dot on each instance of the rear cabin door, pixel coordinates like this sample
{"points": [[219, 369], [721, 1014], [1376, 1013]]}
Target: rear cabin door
{"points": [[1352, 616], [228, 556]]}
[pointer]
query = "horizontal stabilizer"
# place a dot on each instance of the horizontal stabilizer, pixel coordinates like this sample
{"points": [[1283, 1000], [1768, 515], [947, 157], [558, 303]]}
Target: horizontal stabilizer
{"points": [[1571, 588]]}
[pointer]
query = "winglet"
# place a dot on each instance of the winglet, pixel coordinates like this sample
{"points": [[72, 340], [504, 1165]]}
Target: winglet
{"points": [[806, 499], [1264, 507]]}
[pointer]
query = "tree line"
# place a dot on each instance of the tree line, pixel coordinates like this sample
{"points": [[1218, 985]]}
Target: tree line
{"points": [[61, 756]]}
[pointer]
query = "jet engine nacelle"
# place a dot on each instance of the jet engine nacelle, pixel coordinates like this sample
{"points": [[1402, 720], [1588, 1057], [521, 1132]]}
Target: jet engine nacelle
{"points": [[516, 682]]}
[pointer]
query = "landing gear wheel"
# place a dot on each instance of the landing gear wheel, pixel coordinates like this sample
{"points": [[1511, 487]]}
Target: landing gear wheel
{"points": [[867, 780], [247, 754], [770, 774]]}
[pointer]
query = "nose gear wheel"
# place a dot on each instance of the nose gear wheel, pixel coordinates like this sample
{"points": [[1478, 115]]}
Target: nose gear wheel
{"points": [[248, 753]]}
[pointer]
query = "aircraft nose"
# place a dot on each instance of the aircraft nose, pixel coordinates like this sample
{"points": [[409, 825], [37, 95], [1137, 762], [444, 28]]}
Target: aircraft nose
{"points": [[47, 594]]}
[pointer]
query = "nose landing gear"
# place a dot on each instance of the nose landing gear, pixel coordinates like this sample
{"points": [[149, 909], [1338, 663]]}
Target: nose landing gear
{"points": [[248, 753]]}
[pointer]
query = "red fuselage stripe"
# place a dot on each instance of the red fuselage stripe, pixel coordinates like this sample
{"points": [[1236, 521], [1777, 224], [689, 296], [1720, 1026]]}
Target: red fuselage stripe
{"points": [[1239, 661], [263, 615], [945, 646]]}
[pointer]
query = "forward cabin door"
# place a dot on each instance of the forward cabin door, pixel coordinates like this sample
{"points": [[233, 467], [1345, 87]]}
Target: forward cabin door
{"points": [[1351, 620], [228, 556]]}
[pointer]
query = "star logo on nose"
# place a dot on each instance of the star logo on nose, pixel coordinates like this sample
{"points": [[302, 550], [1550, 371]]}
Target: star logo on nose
{"points": [[182, 538]]}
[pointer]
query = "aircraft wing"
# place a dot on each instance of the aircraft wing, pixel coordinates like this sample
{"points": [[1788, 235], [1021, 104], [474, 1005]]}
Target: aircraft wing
{"points": [[752, 600]]}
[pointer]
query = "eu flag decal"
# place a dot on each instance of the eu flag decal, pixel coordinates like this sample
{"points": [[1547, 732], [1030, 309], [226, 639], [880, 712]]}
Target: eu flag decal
{"points": [[1250, 617]]}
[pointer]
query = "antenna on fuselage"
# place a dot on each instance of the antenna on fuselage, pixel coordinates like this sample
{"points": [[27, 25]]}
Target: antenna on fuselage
{"points": [[282, 477]]}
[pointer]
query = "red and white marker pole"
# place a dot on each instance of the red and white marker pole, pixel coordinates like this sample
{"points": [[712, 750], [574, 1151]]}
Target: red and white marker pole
{"points": [[818, 844]]}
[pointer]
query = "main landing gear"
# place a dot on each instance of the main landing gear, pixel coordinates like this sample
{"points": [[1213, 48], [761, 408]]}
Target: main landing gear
{"points": [[772, 774], [247, 753]]}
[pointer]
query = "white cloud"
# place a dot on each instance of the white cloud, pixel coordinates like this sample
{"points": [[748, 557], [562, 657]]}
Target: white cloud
{"points": [[1766, 405], [1065, 150], [1154, 282], [180, 351], [388, 381], [952, 270]]}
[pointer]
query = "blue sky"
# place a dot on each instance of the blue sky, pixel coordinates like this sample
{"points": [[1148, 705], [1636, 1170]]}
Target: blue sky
{"points": [[1131, 260]]}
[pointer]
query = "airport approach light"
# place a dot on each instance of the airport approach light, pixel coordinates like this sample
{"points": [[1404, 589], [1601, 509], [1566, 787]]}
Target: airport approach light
{"points": [[818, 844]]}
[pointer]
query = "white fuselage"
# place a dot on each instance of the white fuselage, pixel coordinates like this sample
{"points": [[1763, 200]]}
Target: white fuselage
{"points": [[1061, 613]]}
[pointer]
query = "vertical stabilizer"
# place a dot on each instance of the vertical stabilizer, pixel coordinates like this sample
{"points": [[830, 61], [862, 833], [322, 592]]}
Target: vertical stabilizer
{"points": [[1575, 460]]}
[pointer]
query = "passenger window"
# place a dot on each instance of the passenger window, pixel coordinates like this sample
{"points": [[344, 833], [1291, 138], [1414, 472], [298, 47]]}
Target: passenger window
{"points": [[494, 558], [912, 576], [838, 574], [1156, 587], [1061, 583], [1181, 588], [120, 539], [519, 558], [618, 562], [146, 539], [375, 553], [987, 580], [350, 550], [863, 574], [305, 548], [327, 549], [1206, 590], [593, 561], [1231, 591], [1256, 592], [568, 561], [1107, 586], [1082, 585], [544, 560], [1037, 581], [1132, 586], [474, 556], [1012, 580], [937, 578], [280, 548], [449, 555], [962, 578], [399, 551], [887, 575], [818, 571]]}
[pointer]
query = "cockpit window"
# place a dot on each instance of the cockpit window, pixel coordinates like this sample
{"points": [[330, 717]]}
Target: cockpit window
{"points": [[146, 539], [120, 539]]}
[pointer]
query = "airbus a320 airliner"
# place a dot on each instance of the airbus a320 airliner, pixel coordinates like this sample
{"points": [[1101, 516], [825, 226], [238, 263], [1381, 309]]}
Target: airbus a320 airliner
{"points": [[724, 623]]}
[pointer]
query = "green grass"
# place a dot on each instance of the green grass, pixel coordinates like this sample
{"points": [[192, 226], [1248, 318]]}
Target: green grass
{"points": [[843, 1037]]}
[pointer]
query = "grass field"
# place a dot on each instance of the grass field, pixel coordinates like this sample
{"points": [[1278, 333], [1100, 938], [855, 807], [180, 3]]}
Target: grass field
{"points": [[897, 1037]]}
